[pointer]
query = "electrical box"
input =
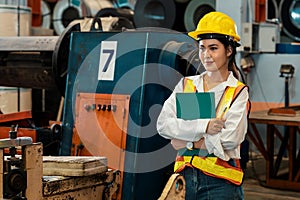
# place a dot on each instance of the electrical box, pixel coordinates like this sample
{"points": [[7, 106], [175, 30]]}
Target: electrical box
{"points": [[249, 42], [269, 36], [260, 37]]}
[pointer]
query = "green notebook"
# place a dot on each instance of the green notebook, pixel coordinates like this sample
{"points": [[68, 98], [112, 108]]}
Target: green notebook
{"points": [[199, 105]]}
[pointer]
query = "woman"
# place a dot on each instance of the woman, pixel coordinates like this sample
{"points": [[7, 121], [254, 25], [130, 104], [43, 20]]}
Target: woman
{"points": [[209, 149]]}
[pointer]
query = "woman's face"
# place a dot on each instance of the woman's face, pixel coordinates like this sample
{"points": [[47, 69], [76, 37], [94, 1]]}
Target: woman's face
{"points": [[213, 55]]}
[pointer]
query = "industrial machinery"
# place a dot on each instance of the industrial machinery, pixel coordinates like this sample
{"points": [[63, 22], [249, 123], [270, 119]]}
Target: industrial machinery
{"points": [[116, 84], [26, 174], [15, 169]]}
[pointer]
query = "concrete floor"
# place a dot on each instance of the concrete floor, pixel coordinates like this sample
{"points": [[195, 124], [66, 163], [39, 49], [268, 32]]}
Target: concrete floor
{"points": [[254, 191], [254, 181]]}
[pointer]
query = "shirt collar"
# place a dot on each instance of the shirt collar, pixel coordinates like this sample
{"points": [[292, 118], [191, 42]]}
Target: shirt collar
{"points": [[231, 80]]}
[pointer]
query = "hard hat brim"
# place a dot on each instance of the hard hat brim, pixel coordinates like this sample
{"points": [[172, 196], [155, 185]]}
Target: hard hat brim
{"points": [[195, 34]]}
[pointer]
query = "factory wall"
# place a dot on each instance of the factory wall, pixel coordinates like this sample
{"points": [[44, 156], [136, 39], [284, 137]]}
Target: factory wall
{"points": [[265, 83], [267, 88]]}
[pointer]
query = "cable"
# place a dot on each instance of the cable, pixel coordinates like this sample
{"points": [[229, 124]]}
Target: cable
{"points": [[276, 9], [261, 89]]}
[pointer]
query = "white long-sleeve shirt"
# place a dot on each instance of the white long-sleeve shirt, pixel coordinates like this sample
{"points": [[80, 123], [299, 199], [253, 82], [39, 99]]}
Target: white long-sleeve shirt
{"points": [[225, 144]]}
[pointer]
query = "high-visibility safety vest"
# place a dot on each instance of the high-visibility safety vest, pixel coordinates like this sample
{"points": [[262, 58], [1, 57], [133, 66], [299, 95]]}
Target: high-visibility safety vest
{"points": [[212, 165]]}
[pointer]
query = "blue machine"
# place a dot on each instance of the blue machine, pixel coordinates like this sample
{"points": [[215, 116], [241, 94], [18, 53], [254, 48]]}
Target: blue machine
{"points": [[144, 65]]}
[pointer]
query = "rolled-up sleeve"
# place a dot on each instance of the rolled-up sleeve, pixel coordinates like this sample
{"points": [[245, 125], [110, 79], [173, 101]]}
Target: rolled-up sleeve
{"points": [[226, 143]]}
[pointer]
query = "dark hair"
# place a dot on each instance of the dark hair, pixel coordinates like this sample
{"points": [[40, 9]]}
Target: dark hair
{"points": [[232, 62], [226, 41]]}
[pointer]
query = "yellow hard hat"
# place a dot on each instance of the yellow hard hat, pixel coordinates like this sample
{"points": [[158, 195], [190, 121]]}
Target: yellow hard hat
{"points": [[216, 23]]}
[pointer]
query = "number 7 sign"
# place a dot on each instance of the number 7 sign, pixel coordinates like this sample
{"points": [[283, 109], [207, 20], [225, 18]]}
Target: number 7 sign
{"points": [[107, 60]]}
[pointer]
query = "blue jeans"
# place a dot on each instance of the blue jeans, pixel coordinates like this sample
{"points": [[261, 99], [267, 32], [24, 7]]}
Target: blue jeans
{"points": [[200, 186]]}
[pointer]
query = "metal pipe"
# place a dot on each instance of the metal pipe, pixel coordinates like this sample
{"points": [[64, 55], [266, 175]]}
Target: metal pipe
{"points": [[287, 99], [26, 62]]}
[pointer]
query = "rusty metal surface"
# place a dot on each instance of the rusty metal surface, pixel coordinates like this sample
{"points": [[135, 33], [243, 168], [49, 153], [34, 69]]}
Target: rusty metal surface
{"points": [[74, 165], [96, 187], [27, 61], [28, 43]]}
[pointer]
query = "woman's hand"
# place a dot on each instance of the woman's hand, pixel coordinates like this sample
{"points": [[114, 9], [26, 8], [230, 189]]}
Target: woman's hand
{"points": [[178, 144], [200, 144], [215, 126]]}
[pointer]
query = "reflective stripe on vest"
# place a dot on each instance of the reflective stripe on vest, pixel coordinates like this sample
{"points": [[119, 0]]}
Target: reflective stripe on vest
{"points": [[188, 85], [213, 166], [227, 98]]}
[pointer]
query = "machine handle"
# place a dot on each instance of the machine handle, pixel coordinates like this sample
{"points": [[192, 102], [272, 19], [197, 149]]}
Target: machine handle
{"points": [[20, 141]]}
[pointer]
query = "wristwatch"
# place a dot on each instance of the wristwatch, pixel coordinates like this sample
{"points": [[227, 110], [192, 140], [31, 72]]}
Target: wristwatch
{"points": [[189, 145]]}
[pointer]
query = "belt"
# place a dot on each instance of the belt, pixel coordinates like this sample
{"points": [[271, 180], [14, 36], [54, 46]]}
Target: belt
{"points": [[194, 152]]}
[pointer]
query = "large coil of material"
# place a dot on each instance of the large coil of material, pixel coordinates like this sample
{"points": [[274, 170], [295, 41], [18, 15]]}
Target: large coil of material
{"points": [[93, 6], [15, 20], [154, 13], [87, 24], [181, 56], [116, 12], [182, 1], [64, 12], [126, 4], [51, 1], [46, 15], [289, 12], [9, 99], [14, 2], [60, 57], [195, 10], [61, 52], [106, 24]]}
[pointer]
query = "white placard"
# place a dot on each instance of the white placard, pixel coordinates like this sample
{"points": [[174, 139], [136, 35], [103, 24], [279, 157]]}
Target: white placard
{"points": [[107, 60]]}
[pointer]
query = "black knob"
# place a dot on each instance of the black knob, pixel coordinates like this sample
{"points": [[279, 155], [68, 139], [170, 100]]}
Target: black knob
{"points": [[12, 132]]}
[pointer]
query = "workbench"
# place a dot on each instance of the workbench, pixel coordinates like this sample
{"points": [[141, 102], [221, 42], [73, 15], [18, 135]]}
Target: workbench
{"points": [[288, 147], [38, 177]]}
